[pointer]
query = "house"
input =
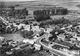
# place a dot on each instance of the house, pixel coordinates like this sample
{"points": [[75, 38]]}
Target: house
{"points": [[37, 46]]}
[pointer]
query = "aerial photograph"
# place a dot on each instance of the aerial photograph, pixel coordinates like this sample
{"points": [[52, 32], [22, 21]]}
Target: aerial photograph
{"points": [[39, 27]]}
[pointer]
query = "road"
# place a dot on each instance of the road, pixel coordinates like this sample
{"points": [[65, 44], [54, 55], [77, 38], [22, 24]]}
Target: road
{"points": [[47, 47], [4, 21]]}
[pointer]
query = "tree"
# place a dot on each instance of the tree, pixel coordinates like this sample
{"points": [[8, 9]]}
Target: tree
{"points": [[61, 21], [27, 34], [41, 17]]}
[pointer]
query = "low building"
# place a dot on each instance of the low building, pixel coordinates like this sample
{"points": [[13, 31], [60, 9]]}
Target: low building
{"points": [[30, 41], [35, 28], [27, 27], [37, 46]]}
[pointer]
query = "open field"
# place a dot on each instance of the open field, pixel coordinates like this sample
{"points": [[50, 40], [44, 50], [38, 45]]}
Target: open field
{"points": [[36, 4], [14, 36]]}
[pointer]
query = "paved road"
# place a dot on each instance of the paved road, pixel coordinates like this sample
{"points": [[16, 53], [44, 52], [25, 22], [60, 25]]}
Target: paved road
{"points": [[53, 50]]}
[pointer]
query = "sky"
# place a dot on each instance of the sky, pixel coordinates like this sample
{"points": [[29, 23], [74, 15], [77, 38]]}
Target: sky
{"points": [[17, 0], [41, 0], [46, 0]]}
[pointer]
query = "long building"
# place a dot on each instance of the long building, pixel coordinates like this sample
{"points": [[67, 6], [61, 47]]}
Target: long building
{"points": [[14, 12], [51, 11], [44, 14]]}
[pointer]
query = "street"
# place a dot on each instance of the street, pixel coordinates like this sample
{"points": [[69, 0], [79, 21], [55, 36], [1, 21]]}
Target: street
{"points": [[53, 50]]}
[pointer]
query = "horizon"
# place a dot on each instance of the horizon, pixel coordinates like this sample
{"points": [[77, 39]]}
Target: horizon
{"points": [[41, 0], [15, 0]]}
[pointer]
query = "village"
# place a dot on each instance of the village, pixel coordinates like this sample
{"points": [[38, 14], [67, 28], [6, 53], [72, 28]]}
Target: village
{"points": [[39, 32]]}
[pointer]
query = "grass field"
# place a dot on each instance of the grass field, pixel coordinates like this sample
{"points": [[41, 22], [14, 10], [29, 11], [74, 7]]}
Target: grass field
{"points": [[14, 36]]}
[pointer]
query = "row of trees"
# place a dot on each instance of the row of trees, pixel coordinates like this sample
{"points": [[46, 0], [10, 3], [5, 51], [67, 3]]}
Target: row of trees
{"points": [[41, 17], [56, 22]]}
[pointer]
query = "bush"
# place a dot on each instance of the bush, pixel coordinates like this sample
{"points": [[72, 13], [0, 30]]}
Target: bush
{"points": [[61, 21], [27, 34], [41, 17]]}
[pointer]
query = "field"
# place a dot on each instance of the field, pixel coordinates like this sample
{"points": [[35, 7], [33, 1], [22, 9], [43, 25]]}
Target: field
{"points": [[13, 36], [71, 5]]}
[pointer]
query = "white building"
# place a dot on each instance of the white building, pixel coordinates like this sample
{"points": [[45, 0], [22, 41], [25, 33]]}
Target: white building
{"points": [[30, 41], [27, 27], [35, 28], [37, 46], [14, 24], [19, 26], [36, 36]]}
